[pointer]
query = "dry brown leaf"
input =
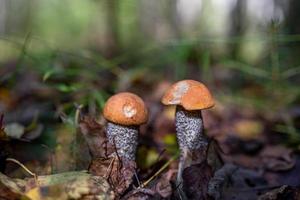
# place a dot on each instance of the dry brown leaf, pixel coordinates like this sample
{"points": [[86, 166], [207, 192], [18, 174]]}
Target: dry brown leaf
{"points": [[34, 194], [140, 194], [11, 189], [95, 137], [233, 182], [119, 174], [195, 181], [277, 158], [163, 187], [248, 129], [69, 185], [273, 158], [105, 162], [284, 192]]}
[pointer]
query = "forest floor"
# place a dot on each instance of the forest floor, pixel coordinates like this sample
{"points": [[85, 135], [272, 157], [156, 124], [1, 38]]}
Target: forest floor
{"points": [[253, 154]]}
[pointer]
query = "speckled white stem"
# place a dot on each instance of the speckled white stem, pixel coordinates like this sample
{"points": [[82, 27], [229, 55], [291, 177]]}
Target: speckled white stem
{"points": [[125, 138], [189, 128], [190, 136]]}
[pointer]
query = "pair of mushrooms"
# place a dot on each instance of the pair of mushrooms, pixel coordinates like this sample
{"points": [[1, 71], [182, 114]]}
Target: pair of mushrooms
{"points": [[126, 111]]}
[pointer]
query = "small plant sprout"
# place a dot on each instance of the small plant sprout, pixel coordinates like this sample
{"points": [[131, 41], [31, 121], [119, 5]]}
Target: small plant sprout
{"points": [[125, 112], [190, 97]]}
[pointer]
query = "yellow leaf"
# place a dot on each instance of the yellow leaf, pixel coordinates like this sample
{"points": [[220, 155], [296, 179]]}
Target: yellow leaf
{"points": [[170, 139], [248, 129], [34, 194]]}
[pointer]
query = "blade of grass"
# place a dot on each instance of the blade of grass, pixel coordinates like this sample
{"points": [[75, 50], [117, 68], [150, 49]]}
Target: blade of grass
{"points": [[247, 69]]}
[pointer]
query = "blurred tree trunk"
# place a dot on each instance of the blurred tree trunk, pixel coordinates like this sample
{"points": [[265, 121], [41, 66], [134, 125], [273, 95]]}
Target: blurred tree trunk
{"points": [[3, 15], [293, 27], [237, 24], [293, 18], [174, 18], [16, 17], [179, 70], [112, 24]]}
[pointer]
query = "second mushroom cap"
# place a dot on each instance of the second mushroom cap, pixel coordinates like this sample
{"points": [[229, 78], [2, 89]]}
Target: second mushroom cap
{"points": [[190, 94], [126, 109]]}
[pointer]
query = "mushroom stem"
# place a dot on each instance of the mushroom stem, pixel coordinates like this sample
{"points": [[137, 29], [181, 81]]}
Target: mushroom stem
{"points": [[125, 138], [191, 139]]}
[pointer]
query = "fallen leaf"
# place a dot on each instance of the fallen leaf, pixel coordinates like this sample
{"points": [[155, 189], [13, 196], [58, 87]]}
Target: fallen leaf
{"points": [[105, 162], [220, 181], [277, 158], [233, 182], [119, 174], [248, 129], [195, 181], [163, 187], [95, 136], [273, 158], [14, 130], [140, 194], [64, 186], [284, 192], [11, 189], [34, 194], [289, 177]]}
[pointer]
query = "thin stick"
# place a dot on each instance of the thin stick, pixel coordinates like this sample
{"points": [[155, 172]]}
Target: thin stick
{"points": [[181, 165], [77, 114], [23, 167], [110, 166], [137, 178], [1, 122], [116, 150], [159, 171], [160, 155]]}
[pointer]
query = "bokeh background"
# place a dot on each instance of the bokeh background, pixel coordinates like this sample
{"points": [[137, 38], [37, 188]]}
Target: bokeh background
{"points": [[62, 55]]}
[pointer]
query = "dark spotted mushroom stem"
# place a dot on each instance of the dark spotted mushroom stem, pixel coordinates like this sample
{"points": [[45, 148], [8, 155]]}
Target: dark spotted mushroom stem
{"points": [[190, 136], [125, 138], [189, 128]]}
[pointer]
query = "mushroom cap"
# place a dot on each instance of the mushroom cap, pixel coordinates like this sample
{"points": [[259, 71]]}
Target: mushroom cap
{"points": [[190, 94], [126, 109]]}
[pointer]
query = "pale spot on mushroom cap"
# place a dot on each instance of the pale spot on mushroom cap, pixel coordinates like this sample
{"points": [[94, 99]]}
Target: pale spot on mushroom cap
{"points": [[129, 111], [180, 89]]}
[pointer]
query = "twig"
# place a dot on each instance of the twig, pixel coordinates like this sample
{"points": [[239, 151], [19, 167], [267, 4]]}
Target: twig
{"points": [[159, 171], [137, 178], [181, 165], [1, 122], [110, 166], [77, 114], [178, 188], [160, 155], [157, 160], [23, 167], [115, 148]]}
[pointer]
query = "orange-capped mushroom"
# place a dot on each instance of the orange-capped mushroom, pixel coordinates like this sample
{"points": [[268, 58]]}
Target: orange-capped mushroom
{"points": [[190, 94], [125, 112], [126, 109], [190, 97]]}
